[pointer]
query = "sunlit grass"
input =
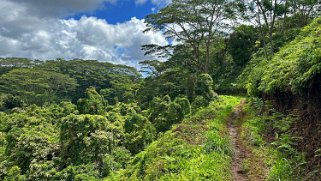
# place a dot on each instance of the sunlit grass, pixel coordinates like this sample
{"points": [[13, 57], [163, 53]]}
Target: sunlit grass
{"points": [[197, 149]]}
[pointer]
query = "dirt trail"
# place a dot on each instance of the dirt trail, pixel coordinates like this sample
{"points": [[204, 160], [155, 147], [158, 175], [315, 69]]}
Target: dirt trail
{"points": [[239, 151]]}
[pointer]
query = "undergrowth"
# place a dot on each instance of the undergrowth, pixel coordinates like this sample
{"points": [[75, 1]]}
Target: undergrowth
{"points": [[291, 68], [268, 135], [199, 148]]}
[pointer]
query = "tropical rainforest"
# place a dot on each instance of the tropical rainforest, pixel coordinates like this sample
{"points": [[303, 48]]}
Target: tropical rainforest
{"points": [[238, 97]]}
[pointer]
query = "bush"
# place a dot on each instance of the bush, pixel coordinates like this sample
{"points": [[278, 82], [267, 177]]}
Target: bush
{"points": [[164, 112], [204, 87], [199, 102]]}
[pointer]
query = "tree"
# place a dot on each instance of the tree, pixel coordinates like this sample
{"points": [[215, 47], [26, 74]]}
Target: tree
{"points": [[164, 112], [93, 103], [152, 68], [7, 64], [195, 23], [139, 132], [241, 44], [31, 144], [36, 86], [11, 102], [304, 8], [87, 137], [204, 87], [171, 80], [92, 73], [264, 14]]}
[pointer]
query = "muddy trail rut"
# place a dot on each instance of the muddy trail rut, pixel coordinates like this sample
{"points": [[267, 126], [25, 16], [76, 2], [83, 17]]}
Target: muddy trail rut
{"points": [[239, 150]]}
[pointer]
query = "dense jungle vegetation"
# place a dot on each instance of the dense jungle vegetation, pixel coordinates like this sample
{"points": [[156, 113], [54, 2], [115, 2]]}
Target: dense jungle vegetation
{"points": [[249, 66]]}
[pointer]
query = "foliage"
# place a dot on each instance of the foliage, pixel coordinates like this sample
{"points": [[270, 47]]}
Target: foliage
{"points": [[91, 73], [204, 87], [87, 137], [242, 44], [184, 152], [8, 64], [164, 112], [193, 23], [89, 120], [139, 132], [173, 82], [292, 68], [35, 86], [37, 142], [93, 103], [10, 102], [37, 82], [269, 137]]}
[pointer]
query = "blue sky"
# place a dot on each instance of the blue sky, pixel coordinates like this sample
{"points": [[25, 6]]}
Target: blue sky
{"points": [[104, 30], [121, 11]]}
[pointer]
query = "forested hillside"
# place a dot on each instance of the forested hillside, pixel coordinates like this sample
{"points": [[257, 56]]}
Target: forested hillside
{"points": [[235, 95]]}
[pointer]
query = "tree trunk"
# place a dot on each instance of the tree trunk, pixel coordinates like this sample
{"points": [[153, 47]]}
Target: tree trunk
{"points": [[207, 58]]}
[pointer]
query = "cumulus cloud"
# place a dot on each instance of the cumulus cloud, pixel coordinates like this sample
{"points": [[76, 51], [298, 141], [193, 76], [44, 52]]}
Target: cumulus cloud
{"points": [[60, 7], [38, 37]]}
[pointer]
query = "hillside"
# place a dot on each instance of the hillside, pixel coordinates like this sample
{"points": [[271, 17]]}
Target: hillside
{"points": [[196, 149], [223, 91], [294, 68], [291, 80]]}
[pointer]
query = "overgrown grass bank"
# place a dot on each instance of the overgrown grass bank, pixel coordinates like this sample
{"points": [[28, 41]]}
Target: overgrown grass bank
{"points": [[267, 134], [199, 148]]}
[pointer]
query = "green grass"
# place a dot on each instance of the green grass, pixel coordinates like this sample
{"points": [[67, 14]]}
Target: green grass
{"points": [[272, 155], [290, 69], [196, 149]]}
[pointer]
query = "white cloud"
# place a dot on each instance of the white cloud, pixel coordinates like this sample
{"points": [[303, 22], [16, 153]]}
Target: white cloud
{"points": [[155, 2], [161, 2], [37, 37], [60, 7], [140, 2]]}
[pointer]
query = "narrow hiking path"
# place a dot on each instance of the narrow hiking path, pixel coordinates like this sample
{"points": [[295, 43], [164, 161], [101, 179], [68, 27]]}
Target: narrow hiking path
{"points": [[239, 150]]}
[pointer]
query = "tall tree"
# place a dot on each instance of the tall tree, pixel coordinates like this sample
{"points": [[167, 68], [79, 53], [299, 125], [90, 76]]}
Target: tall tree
{"points": [[192, 22], [305, 9], [264, 14]]}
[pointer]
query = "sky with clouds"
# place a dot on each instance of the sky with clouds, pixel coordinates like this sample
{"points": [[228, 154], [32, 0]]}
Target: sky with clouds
{"points": [[106, 30]]}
